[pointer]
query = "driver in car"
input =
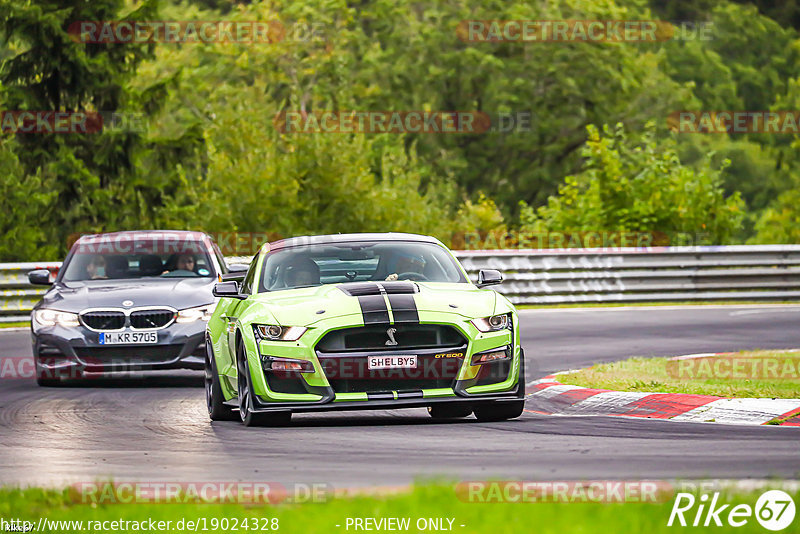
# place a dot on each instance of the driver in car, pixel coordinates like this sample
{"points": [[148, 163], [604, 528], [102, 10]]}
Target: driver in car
{"points": [[302, 272], [407, 264], [185, 262], [96, 269]]}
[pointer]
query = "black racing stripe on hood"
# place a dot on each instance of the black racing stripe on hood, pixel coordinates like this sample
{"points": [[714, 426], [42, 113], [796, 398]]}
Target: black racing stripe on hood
{"points": [[359, 289], [373, 308], [404, 309], [396, 288]]}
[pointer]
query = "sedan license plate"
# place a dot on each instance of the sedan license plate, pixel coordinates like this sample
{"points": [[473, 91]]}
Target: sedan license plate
{"points": [[391, 362], [128, 338]]}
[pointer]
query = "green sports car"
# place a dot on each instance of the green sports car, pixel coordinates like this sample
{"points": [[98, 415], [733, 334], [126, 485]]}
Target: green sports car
{"points": [[361, 321]]}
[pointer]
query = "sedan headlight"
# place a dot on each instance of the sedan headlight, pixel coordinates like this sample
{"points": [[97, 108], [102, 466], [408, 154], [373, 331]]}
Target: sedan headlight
{"points": [[46, 317], [273, 332], [200, 313], [493, 323]]}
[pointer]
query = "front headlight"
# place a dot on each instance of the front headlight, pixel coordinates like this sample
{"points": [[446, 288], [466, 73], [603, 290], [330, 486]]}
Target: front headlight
{"points": [[493, 323], [273, 332], [200, 313], [46, 317]]}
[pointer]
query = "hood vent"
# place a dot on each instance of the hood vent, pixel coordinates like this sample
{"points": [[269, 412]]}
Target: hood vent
{"points": [[363, 289]]}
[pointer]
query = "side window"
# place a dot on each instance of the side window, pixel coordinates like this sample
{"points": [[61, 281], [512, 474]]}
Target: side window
{"points": [[247, 283]]}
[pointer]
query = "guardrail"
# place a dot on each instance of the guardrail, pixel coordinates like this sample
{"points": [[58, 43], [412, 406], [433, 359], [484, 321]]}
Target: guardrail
{"points": [[17, 296], [668, 274], [558, 276]]}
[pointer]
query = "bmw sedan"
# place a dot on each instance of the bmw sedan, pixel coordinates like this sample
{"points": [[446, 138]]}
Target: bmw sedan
{"points": [[126, 302]]}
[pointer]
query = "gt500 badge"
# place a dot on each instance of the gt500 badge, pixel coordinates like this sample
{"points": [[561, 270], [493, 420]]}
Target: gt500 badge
{"points": [[450, 355]]}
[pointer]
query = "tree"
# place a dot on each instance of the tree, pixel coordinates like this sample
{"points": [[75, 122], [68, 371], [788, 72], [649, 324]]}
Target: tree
{"points": [[638, 184], [114, 179]]}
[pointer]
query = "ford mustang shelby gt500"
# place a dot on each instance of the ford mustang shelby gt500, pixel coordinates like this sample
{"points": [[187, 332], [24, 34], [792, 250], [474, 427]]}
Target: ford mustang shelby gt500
{"points": [[361, 321]]}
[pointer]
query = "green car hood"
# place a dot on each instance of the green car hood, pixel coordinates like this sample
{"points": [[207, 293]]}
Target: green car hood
{"points": [[306, 306]]}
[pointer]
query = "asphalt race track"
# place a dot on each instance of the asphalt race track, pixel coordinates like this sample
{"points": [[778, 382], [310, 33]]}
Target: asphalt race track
{"points": [[156, 428]]}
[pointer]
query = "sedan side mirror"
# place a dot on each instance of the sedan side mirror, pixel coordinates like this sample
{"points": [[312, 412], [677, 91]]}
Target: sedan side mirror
{"points": [[40, 277], [228, 289], [489, 277]]}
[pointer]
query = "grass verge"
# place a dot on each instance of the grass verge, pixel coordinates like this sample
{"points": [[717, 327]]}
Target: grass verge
{"points": [[15, 324], [760, 373], [423, 501], [655, 303]]}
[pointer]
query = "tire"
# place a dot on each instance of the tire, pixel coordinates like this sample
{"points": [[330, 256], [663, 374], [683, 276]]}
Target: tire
{"points": [[244, 386], [449, 411], [217, 410], [498, 411]]}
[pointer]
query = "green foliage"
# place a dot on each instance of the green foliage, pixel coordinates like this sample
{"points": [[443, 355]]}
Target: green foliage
{"points": [[211, 158], [24, 205], [639, 184], [114, 179], [780, 223]]}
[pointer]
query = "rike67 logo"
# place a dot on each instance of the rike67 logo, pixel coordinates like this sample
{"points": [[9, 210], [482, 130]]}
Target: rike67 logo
{"points": [[774, 510]]}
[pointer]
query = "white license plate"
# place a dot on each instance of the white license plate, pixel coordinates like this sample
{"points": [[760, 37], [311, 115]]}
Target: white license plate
{"points": [[392, 362], [128, 338]]}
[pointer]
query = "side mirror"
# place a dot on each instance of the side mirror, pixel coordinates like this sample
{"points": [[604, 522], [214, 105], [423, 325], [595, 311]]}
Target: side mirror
{"points": [[236, 271], [489, 277], [228, 289], [40, 277]]}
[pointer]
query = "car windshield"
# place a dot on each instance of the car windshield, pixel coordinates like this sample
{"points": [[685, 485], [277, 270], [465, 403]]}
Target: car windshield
{"points": [[313, 265], [140, 259]]}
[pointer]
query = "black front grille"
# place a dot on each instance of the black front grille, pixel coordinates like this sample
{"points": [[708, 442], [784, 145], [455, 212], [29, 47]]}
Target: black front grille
{"points": [[117, 355], [151, 318], [285, 382], [411, 336], [351, 374], [103, 320], [493, 373]]}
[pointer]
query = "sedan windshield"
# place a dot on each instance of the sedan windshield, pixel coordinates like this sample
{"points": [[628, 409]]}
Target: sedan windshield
{"points": [[149, 259], [313, 265]]}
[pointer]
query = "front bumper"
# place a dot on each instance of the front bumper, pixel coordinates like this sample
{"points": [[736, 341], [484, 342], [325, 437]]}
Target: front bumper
{"points": [[322, 390], [179, 346], [407, 400]]}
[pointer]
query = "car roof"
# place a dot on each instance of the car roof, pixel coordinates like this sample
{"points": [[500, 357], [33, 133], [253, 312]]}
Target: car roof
{"points": [[347, 238], [142, 234]]}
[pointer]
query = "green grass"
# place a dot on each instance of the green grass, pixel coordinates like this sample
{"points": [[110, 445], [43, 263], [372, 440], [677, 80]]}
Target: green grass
{"points": [[423, 501], [653, 375], [658, 303], [16, 324]]}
